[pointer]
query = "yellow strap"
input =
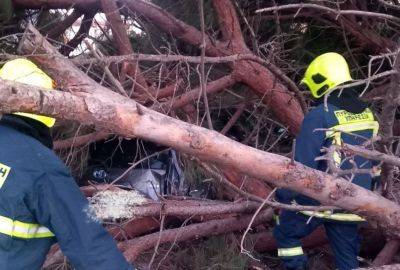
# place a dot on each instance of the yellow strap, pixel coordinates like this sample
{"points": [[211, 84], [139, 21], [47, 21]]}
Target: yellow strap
{"points": [[330, 215], [336, 216], [20, 229], [352, 127], [287, 252]]}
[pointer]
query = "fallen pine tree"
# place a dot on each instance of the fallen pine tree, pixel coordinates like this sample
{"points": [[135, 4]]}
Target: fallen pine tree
{"points": [[249, 173], [91, 104]]}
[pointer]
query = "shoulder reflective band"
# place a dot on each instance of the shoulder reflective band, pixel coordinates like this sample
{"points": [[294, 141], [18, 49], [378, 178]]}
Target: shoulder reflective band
{"points": [[336, 216], [20, 229], [288, 252], [345, 117]]}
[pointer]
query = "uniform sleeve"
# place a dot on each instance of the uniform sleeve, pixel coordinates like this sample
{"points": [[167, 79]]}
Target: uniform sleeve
{"points": [[60, 206], [309, 142]]}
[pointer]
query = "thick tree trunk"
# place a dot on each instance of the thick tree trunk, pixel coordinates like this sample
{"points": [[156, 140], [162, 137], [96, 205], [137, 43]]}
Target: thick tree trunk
{"points": [[132, 120]]}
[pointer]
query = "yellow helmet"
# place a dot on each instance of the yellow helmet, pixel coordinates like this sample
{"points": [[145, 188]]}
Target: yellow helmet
{"points": [[24, 71], [325, 72]]}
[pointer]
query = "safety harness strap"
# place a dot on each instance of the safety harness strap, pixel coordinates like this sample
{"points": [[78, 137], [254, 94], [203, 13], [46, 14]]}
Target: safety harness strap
{"points": [[353, 127], [289, 252], [331, 215], [15, 228], [334, 216]]}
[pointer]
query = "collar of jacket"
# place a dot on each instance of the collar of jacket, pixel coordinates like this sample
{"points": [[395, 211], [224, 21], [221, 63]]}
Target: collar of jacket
{"points": [[29, 127], [348, 100]]}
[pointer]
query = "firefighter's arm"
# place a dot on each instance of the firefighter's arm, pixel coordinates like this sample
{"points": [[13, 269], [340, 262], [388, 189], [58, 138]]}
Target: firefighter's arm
{"points": [[60, 206], [309, 141]]}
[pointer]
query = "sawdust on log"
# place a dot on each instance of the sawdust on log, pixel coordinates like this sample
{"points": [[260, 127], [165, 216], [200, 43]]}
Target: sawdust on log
{"points": [[113, 205]]}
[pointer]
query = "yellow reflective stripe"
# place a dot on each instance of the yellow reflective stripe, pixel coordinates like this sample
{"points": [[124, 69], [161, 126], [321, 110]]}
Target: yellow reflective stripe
{"points": [[336, 216], [20, 229], [352, 127], [287, 252]]}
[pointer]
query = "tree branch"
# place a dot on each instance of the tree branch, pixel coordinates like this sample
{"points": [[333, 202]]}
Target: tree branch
{"points": [[191, 96], [387, 253], [62, 26], [215, 227], [122, 41], [80, 140], [229, 25], [337, 12], [80, 35]]}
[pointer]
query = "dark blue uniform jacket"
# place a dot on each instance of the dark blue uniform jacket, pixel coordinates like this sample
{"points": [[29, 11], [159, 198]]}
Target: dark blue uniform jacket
{"points": [[310, 142], [39, 189]]}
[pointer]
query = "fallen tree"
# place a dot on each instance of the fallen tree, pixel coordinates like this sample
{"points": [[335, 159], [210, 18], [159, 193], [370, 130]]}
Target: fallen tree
{"points": [[92, 104], [237, 41]]}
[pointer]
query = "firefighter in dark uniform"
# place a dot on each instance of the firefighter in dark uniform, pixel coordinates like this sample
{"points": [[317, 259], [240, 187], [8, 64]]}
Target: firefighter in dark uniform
{"points": [[345, 120], [40, 204]]}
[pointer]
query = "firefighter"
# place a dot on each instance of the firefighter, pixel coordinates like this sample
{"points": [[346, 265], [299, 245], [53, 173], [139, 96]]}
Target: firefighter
{"points": [[346, 119], [40, 203]]}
